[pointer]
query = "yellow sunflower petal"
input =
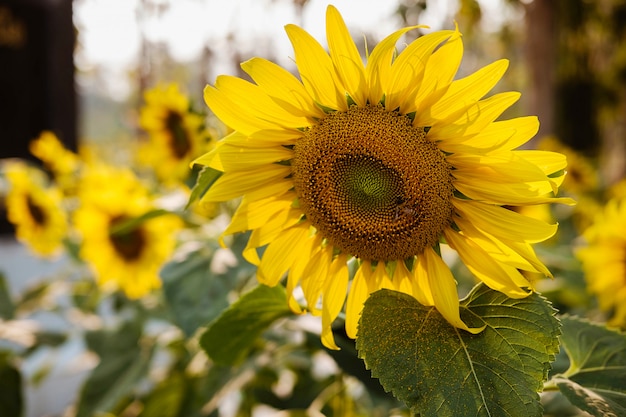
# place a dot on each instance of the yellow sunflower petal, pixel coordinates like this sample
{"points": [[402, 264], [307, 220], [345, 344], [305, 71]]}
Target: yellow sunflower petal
{"points": [[422, 290], [231, 114], [268, 232], [280, 254], [444, 290], [281, 86], [407, 70], [345, 56], [258, 104], [439, 73], [504, 223], [503, 135], [377, 69], [519, 255], [496, 275], [304, 252], [467, 90], [254, 214], [236, 157], [316, 69], [258, 183], [314, 278], [359, 292], [334, 295], [470, 120]]}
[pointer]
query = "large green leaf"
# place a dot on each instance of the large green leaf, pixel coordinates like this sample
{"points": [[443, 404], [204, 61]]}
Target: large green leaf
{"points": [[596, 379], [230, 337], [123, 362], [439, 370], [195, 293]]}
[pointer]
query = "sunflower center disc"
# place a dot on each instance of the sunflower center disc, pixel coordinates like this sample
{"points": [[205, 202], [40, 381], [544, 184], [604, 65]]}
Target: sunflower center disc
{"points": [[372, 184]]}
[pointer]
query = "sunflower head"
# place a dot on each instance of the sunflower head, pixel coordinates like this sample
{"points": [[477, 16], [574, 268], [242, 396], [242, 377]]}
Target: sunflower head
{"points": [[36, 210], [123, 239], [176, 133], [361, 167], [604, 259]]}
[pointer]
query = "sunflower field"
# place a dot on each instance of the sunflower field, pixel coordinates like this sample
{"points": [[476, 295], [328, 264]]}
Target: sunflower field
{"points": [[430, 222]]}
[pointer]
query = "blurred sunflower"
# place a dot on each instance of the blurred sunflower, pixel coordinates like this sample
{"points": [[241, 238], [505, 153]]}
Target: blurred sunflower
{"points": [[604, 259], [582, 176], [377, 164], [176, 133], [123, 238], [35, 210], [61, 162]]}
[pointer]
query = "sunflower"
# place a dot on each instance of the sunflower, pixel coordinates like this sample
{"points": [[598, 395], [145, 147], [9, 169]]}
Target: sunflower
{"points": [[61, 162], [371, 167], [122, 239], [35, 210], [604, 259], [176, 133]]}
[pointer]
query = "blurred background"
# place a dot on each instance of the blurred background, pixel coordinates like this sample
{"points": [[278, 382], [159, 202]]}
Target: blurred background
{"points": [[81, 69]]}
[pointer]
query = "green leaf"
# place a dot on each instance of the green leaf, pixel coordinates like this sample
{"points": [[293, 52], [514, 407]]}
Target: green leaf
{"points": [[7, 307], [131, 224], [166, 400], [439, 370], [11, 400], [230, 337], [206, 178], [123, 363], [194, 293], [596, 379]]}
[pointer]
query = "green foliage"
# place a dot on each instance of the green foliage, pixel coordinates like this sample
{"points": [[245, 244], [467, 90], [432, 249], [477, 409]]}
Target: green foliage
{"points": [[596, 379], [123, 362], [439, 370], [11, 402], [206, 178], [195, 294], [7, 308], [230, 337]]}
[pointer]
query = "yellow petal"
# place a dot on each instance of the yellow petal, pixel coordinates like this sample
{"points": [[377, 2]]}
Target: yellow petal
{"points": [[466, 91], [503, 135], [359, 291], [377, 69], [334, 295], [444, 290], [504, 223], [518, 255], [263, 182], [304, 252], [252, 215], [407, 70], [473, 119], [496, 275], [232, 114], [316, 69], [423, 292], [439, 73], [280, 254], [227, 157], [282, 87], [258, 104], [268, 232], [314, 277], [345, 56]]}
